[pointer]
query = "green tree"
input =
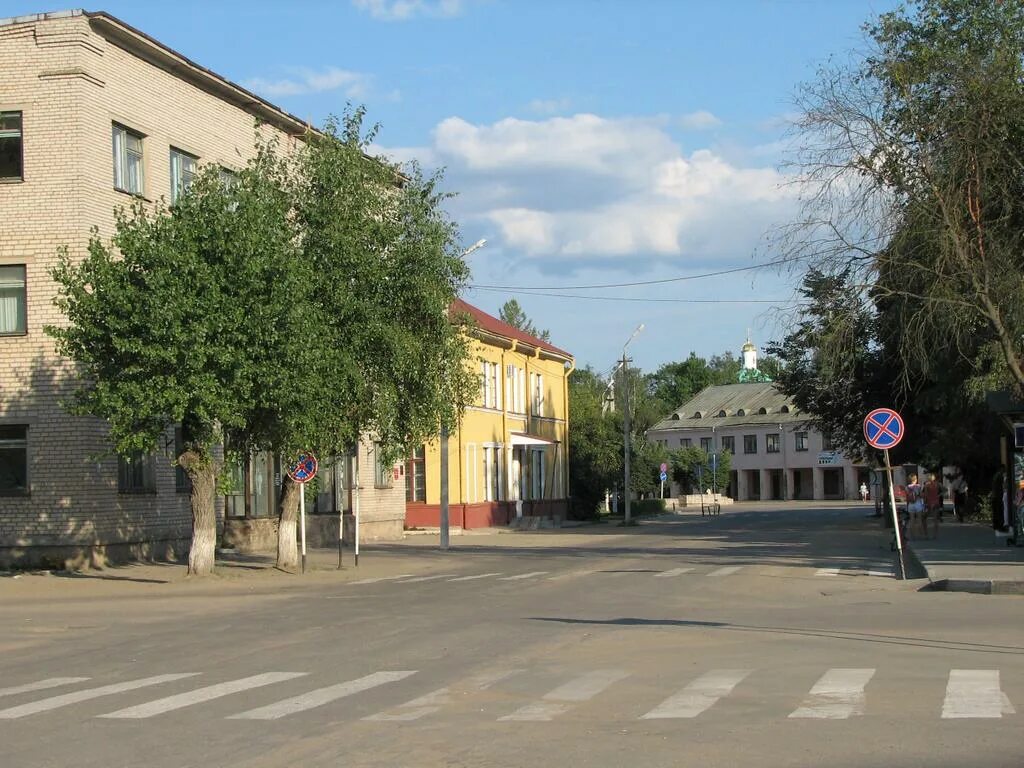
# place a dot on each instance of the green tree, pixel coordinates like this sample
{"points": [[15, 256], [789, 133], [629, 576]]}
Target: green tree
{"points": [[911, 160], [595, 443], [675, 383], [514, 315], [175, 321], [693, 470]]}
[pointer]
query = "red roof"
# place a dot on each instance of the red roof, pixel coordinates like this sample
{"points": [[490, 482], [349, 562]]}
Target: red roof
{"points": [[493, 325]]}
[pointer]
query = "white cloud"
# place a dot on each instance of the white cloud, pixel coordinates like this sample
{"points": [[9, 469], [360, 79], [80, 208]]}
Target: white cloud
{"points": [[306, 81], [700, 120], [575, 189], [403, 10]]}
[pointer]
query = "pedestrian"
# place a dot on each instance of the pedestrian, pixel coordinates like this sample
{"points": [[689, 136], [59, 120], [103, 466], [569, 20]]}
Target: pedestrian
{"points": [[931, 495], [915, 506], [863, 491]]}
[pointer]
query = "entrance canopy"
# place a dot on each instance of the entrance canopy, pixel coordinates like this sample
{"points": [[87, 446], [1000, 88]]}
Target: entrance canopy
{"points": [[521, 439]]}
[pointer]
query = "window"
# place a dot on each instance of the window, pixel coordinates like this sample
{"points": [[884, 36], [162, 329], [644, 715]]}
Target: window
{"points": [[729, 444], [11, 164], [382, 475], [750, 443], [127, 160], [826, 441], [516, 389], [492, 473], [12, 300], [182, 482], [685, 442], [801, 441], [416, 476], [705, 444], [771, 443], [183, 171], [537, 394], [13, 459], [490, 395], [135, 473]]}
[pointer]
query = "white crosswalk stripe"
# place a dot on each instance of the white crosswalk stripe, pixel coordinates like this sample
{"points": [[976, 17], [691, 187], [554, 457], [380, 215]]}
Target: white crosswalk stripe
{"points": [[433, 701], [575, 691], [381, 578], [673, 572], [729, 570], [836, 696], [698, 696], [425, 578], [827, 572], [476, 576], [321, 696], [530, 575], [55, 702], [41, 685], [200, 695], [975, 693]]}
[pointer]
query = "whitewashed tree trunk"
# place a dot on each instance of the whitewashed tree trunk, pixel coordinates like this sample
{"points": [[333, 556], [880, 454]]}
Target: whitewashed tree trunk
{"points": [[287, 547], [204, 516]]}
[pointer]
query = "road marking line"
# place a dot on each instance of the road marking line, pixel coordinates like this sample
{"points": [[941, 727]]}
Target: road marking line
{"points": [[477, 576], [572, 574], [56, 702], [433, 701], [425, 578], [673, 572], [699, 695], [320, 696], [381, 578], [827, 572], [972, 693], [837, 695], [41, 685], [876, 572], [556, 702], [200, 695], [727, 571], [524, 576]]}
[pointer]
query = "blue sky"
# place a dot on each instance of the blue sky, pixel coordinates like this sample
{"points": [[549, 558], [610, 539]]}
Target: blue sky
{"points": [[590, 141]]}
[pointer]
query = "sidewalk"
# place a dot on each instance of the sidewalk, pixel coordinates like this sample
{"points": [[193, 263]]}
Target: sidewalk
{"points": [[967, 557]]}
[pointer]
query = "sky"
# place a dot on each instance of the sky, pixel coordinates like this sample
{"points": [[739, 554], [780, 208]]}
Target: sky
{"points": [[591, 142]]}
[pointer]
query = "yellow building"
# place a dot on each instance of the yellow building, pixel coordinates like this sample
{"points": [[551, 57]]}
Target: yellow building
{"points": [[509, 457]]}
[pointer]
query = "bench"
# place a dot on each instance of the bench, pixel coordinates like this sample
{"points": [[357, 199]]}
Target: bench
{"points": [[710, 508]]}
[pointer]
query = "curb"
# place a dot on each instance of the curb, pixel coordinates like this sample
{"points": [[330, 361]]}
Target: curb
{"points": [[979, 586]]}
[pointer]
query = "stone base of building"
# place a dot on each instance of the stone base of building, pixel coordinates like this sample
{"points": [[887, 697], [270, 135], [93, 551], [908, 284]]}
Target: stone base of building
{"points": [[76, 557], [488, 514]]}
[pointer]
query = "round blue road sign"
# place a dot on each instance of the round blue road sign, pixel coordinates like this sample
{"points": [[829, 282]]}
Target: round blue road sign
{"points": [[305, 468], [883, 428]]}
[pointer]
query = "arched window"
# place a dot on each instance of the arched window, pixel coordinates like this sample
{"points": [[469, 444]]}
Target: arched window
{"points": [[721, 414], [741, 412], [698, 415], [675, 417], [763, 411], [785, 409]]}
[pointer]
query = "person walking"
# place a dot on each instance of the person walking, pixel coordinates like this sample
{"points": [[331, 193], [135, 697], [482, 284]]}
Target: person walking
{"points": [[932, 498], [915, 506], [863, 491]]}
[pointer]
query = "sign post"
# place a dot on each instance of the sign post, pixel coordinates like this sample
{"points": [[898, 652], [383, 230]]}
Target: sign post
{"points": [[302, 472], [664, 477], [883, 429]]}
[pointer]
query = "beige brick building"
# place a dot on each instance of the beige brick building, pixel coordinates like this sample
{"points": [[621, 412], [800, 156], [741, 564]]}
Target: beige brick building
{"points": [[94, 115]]}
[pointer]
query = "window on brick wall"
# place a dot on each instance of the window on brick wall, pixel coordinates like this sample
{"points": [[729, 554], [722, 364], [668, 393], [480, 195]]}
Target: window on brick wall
{"points": [[13, 459], [382, 473], [11, 147], [729, 444], [135, 473], [127, 147], [183, 171], [12, 299]]}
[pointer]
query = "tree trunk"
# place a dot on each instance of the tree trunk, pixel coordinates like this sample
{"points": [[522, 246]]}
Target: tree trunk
{"points": [[203, 475], [287, 548]]}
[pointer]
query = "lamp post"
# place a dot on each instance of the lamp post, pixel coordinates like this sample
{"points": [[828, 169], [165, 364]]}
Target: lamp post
{"points": [[443, 522], [625, 420]]}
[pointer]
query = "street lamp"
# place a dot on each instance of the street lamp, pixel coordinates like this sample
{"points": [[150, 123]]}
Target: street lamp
{"points": [[445, 533], [625, 420]]}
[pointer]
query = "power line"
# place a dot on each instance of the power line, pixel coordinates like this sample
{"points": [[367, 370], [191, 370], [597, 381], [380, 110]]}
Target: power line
{"points": [[785, 260], [536, 292]]}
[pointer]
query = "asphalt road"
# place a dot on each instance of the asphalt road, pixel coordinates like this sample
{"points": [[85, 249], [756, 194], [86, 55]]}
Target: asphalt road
{"points": [[762, 637]]}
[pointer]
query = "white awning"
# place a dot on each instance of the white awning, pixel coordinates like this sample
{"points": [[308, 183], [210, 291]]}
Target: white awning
{"points": [[529, 440]]}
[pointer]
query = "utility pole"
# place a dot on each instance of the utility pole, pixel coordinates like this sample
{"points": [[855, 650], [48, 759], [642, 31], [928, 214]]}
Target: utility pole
{"points": [[444, 487], [625, 421]]}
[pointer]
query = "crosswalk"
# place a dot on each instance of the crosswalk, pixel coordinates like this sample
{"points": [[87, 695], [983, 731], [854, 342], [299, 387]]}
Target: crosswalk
{"points": [[690, 571], [535, 695]]}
